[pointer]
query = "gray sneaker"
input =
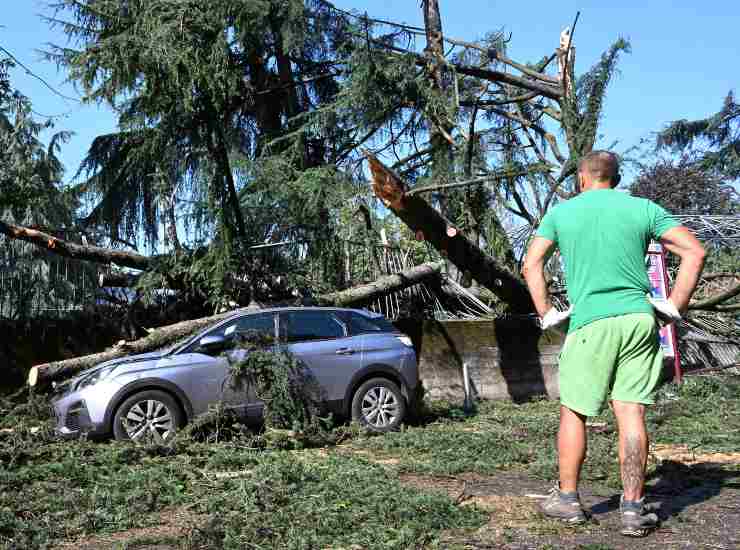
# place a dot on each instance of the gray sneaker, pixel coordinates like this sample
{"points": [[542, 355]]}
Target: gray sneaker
{"points": [[563, 506], [637, 518]]}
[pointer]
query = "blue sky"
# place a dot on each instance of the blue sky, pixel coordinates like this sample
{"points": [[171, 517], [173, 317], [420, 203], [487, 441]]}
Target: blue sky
{"points": [[685, 55]]}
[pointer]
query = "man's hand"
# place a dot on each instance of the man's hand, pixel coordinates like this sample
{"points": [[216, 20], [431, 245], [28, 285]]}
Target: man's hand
{"points": [[665, 310], [534, 273], [557, 320], [680, 241]]}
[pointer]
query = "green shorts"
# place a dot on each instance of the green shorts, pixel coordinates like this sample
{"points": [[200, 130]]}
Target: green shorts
{"points": [[620, 355]]}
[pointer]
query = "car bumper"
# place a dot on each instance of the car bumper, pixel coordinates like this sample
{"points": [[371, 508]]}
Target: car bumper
{"points": [[82, 412]]}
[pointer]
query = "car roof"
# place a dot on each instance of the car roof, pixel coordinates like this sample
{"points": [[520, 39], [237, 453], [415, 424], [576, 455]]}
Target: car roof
{"points": [[243, 313], [300, 308]]}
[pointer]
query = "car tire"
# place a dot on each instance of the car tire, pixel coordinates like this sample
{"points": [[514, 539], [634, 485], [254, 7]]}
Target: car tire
{"points": [[148, 416], [378, 405]]}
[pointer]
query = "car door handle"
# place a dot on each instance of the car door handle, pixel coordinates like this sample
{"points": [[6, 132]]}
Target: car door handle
{"points": [[344, 351]]}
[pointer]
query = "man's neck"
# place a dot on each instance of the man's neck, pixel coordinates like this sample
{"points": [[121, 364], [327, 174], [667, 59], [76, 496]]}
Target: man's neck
{"points": [[596, 185]]}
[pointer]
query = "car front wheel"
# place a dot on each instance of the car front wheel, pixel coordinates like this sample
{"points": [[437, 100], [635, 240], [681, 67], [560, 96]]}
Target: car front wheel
{"points": [[147, 416], [378, 405]]}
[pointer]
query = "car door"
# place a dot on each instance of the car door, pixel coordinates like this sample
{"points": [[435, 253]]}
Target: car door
{"points": [[379, 339], [319, 339], [209, 374]]}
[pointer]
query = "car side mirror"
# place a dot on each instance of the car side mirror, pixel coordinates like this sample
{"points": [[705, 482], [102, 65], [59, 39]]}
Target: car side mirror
{"points": [[213, 343]]}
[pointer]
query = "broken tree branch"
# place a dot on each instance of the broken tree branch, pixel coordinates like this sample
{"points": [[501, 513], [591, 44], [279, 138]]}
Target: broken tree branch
{"points": [[495, 54], [75, 251], [474, 181], [713, 302], [431, 226], [551, 140], [156, 339], [546, 90]]}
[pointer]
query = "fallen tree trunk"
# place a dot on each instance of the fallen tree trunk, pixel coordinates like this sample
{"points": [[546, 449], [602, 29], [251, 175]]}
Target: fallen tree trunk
{"points": [[431, 226], [384, 285], [156, 339], [44, 374]]}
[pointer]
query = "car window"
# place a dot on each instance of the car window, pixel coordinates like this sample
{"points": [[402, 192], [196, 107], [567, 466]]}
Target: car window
{"points": [[303, 326], [263, 323], [359, 324]]}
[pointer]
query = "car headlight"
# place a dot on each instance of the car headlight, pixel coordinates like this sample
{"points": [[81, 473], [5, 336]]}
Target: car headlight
{"points": [[406, 341], [95, 377]]}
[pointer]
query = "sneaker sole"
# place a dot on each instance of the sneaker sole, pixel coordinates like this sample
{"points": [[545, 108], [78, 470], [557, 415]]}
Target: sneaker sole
{"points": [[637, 533], [576, 520]]}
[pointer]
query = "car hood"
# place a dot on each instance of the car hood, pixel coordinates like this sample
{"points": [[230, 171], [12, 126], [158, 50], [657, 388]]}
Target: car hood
{"points": [[138, 358]]}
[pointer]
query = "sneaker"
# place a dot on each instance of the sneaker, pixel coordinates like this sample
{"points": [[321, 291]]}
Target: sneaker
{"points": [[637, 519], [563, 506]]}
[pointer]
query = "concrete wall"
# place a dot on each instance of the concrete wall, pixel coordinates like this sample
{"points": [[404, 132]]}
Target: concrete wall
{"points": [[507, 359]]}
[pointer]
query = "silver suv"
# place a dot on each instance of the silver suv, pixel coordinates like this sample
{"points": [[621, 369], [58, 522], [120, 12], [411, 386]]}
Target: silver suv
{"points": [[365, 368]]}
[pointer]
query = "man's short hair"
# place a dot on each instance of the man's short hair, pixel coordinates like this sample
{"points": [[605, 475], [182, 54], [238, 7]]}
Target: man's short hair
{"points": [[601, 166]]}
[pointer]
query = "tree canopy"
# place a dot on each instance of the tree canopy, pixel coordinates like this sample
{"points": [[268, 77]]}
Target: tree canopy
{"points": [[243, 125], [716, 139]]}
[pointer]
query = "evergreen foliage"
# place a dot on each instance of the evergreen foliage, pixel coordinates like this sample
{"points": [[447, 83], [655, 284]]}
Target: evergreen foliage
{"points": [[32, 193], [582, 111], [291, 395], [717, 139], [30, 172], [242, 122]]}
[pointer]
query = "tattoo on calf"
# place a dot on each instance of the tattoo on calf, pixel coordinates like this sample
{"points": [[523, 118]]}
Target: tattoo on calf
{"points": [[633, 464]]}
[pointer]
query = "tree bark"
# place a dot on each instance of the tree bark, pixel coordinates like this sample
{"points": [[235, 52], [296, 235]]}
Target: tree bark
{"points": [[222, 154], [430, 225], [712, 302], [440, 130], [117, 280], [44, 374], [384, 285]]}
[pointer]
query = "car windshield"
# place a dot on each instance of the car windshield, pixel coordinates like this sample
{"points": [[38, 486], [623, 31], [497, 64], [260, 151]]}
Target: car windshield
{"points": [[181, 342]]}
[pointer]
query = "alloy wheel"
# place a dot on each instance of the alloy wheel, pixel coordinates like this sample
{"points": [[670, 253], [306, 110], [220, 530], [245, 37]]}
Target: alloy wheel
{"points": [[149, 419], [380, 407]]}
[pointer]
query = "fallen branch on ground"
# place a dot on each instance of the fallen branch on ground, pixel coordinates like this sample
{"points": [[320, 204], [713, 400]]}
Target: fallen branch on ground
{"points": [[711, 303]]}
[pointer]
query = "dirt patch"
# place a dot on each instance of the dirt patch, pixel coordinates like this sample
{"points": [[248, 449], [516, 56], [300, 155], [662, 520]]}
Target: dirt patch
{"points": [[453, 486], [368, 455], [173, 524], [699, 508], [685, 455], [507, 511]]}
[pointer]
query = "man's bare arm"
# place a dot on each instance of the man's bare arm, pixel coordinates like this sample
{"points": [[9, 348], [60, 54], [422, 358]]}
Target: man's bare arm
{"points": [[534, 273], [681, 242]]}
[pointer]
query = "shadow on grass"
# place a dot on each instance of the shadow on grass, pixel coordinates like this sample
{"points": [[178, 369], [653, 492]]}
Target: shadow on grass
{"points": [[679, 486], [426, 413]]}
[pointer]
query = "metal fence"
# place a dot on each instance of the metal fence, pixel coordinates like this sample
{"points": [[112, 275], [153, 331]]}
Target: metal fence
{"points": [[36, 283]]}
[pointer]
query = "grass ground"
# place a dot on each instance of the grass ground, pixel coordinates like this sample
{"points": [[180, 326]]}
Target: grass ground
{"points": [[452, 481]]}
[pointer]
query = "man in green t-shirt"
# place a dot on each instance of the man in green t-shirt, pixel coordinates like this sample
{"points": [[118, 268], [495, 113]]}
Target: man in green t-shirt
{"points": [[611, 350]]}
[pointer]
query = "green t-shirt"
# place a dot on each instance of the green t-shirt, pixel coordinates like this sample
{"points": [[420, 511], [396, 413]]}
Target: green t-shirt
{"points": [[603, 236]]}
